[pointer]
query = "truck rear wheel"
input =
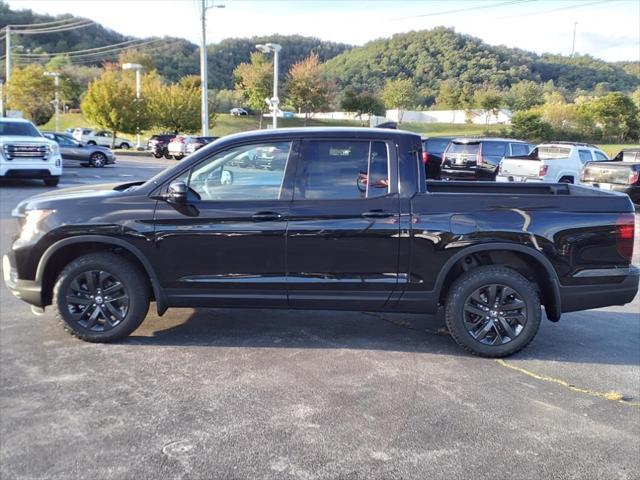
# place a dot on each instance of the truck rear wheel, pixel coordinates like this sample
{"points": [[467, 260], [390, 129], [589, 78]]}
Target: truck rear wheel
{"points": [[52, 181], [493, 311], [101, 297]]}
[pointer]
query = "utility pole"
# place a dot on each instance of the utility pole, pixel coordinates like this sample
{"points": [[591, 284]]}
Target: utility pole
{"points": [[56, 79], [138, 69], [573, 45], [8, 60], [204, 81], [273, 101], [1, 99]]}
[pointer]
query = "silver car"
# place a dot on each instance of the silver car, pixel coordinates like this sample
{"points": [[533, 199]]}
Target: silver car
{"points": [[71, 149]]}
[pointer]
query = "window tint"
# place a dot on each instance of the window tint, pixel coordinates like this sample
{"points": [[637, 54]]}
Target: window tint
{"points": [[62, 140], [333, 169], [249, 172], [20, 129], [436, 145], [494, 149], [463, 148], [519, 149], [601, 156], [585, 156]]}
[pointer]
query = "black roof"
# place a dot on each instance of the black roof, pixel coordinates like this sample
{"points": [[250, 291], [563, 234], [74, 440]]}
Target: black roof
{"points": [[319, 132]]}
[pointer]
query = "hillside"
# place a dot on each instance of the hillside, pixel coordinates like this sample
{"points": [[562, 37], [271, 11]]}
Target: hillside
{"points": [[432, 56]]}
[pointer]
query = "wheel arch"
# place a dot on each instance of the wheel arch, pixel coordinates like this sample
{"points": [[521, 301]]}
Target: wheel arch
{"points": [[550, 290], [47, 266]]}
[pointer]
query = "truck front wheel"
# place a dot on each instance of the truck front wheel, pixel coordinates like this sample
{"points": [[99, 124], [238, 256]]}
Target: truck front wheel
{"points": [[101, 297], [493, 311]]}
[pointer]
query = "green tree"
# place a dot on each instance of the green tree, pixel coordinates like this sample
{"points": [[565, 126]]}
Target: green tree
{"points": [[255, 81], [307, 89], [616, 115], [133, 55], [362, 103], [524, 95], [110, 103], [32, 93], [490, 100], [225, 100], [449, 96], [176, 107], [530, 126], [635, 96], [399, 94]]}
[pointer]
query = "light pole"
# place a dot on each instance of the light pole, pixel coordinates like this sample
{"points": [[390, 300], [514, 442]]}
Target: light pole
{"points": [[56, 79], [275, 101], [138, 69], [204, 81]]}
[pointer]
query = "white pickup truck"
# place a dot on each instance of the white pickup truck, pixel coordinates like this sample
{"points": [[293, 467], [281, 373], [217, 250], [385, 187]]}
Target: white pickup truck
{"points": [[559, 162], [25, 153]]}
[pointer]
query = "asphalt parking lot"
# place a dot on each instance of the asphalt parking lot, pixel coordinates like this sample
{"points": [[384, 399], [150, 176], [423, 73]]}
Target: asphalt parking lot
{"points": [[236, 394]]}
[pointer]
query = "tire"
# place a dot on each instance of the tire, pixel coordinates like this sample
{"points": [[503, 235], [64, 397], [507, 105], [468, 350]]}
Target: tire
{"points": [[464, 325], [115, 318], [98, 160], [91, 142], [157, 155], [566, 180], [52, 181], [125, 146], [167, 156], [178, 157]]}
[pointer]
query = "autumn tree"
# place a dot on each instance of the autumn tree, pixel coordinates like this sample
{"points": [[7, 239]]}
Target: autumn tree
{"points": [[175, 107], [364, 103], [254, 80], [524, 95], [399, 94], [307, 88], [32, 93], [110, 103]]}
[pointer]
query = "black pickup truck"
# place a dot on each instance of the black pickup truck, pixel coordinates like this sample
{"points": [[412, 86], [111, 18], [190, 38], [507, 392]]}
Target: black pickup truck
{"points": [[346, 222]]}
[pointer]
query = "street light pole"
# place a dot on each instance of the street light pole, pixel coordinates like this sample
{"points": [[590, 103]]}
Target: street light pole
{"points": [[274, 101], [56, 79], [7, 60], [204, 81], [138, 69]]}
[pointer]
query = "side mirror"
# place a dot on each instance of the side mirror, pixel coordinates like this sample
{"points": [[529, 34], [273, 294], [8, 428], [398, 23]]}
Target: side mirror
{"points": [[177, 192]]}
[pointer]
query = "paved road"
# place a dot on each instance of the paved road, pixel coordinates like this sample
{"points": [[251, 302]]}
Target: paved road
{"points": [[236, 394]]}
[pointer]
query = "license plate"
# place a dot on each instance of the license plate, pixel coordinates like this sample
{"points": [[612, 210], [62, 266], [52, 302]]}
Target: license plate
{"points": [[460, 161], [606, 186], [517, 178]]}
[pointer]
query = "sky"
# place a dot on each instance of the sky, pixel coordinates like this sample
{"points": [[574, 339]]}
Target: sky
{"points": [[605, 29]]}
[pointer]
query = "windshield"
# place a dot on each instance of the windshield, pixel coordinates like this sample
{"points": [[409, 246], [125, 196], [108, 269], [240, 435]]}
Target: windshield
{"points": [[463, 148], [19, 129], [546, 153]]}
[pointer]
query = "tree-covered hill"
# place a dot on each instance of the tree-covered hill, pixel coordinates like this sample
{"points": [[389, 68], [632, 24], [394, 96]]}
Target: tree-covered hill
{"points": [[432, 56]]}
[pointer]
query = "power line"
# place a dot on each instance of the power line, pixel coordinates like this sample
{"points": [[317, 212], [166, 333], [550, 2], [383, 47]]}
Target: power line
{"points": [[93, 54], [63, 28], [570, 7], [128, 44], [44, 24], [479, 7]]}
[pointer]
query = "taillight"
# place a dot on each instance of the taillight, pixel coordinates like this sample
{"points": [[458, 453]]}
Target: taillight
{"points": [[583, 175], [542, 171], [633, 176], [625, 226], [425, 157]]}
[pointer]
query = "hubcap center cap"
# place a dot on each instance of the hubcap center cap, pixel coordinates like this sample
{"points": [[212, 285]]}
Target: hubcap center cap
{"points": [[98, 299], [493, 313]]}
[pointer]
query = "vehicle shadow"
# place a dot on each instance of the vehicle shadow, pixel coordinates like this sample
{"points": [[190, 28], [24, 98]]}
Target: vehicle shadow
{"points": [[583, 337], [22, 182]]}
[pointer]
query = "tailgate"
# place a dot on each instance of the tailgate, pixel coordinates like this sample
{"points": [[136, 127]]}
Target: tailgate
{"points": [[607, 172], [520, 167]]}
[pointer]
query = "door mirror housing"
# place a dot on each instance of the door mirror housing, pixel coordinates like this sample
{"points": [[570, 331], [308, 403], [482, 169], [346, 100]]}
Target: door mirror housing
{"points": [[177, 192]]}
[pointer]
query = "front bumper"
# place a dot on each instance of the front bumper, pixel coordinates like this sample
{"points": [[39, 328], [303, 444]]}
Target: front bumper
{"points": [[28, 290], [35, 169]]}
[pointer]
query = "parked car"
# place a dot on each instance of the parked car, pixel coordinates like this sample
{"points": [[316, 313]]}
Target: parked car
{"points": [[177, 147], [550, 162], [348, 222], [100, 137], [158, 144], [25, 153], [237, 112], [71, 149], [196, 143], [432, 150], [621, 174], [478, 158]]}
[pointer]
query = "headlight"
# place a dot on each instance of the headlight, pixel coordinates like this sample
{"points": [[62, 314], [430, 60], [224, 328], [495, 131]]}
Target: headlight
{"points": [[32, 222], [54, 148]]}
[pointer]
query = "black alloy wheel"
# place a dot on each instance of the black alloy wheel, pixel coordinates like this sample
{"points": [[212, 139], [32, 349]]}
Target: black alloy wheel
{"points": [[98, 159], [97, 300], [495, 314]]}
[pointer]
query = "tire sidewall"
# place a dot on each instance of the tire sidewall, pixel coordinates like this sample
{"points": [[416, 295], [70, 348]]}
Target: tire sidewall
{"points": [[98, 156], [478, 278], [132, 280]]}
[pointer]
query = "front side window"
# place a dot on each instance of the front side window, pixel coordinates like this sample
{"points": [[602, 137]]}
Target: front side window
{"points": [[601, 157], [494, 149], [585, 156], [248, 172], [342, 170]]}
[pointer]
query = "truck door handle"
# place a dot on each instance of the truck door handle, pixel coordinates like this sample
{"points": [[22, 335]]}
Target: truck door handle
{"points": [[266, 216], [377, 213]]}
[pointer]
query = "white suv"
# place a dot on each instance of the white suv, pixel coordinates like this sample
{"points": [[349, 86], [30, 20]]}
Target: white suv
{"points": [[560, 162], [25, 153], [100, 137]]}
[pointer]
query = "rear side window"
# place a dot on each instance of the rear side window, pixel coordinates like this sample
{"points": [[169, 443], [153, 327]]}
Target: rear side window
{"points": [[585, 156], [494, 149], [436, 145], [471, 148], [519, 149], [342, 170]]}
